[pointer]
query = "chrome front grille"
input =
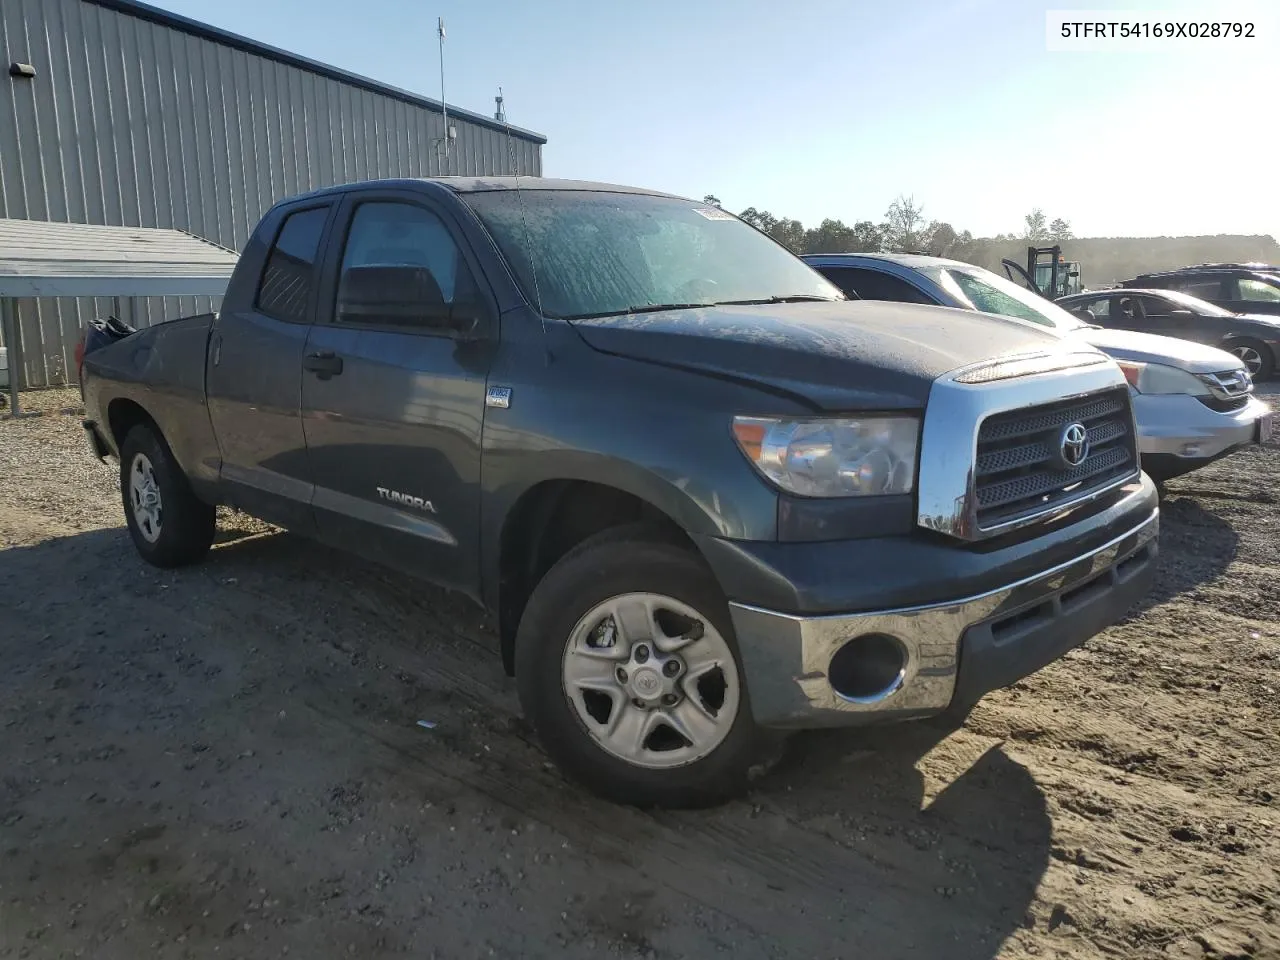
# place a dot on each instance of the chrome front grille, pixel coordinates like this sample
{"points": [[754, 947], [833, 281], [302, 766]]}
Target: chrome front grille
{"points": [[1025, 466], [1229, 384]]}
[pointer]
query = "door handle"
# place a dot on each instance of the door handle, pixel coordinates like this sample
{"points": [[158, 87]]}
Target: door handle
{"points": [[324, 365]]}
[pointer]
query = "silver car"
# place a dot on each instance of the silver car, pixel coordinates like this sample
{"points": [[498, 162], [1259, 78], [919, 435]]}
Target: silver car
{"points": [[1193, 403]]}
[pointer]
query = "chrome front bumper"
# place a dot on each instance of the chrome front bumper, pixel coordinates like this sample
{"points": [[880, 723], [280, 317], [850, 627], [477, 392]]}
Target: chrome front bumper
{"points": [[1022, 625], [1181, 426]]}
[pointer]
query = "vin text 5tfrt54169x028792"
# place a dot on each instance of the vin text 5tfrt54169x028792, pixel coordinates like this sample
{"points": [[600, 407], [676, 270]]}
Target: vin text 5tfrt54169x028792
{"points": [[706, 496]]}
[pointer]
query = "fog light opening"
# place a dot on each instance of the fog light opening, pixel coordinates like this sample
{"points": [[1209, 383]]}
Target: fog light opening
{"points": [[869, 668]]}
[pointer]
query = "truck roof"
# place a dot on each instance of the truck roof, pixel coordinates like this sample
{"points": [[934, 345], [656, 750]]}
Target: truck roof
{"points": [[906, 259], [486, 185]]}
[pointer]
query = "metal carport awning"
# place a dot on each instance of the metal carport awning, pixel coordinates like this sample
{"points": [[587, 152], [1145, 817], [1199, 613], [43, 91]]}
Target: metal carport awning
{"points": [[43, 259]]}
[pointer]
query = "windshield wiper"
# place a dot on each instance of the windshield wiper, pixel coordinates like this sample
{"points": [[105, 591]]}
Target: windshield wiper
{"points": [[643, 308], [796, 298]]}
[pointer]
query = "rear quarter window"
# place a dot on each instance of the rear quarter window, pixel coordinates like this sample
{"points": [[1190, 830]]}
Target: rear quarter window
{"points": [[284, 290]]}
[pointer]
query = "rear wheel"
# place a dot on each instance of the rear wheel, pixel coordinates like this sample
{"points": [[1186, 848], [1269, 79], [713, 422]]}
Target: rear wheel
{"points": [[1256, 356], [628, 669], [170, 526]]}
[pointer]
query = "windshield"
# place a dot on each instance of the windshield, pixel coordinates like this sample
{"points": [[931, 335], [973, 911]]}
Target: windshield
{"points": [[597, 253], [1195, 304], [983, 290]]}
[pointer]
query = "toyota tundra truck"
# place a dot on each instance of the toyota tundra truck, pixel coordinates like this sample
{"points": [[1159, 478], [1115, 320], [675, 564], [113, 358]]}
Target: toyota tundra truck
{"points": [[706, 496]]}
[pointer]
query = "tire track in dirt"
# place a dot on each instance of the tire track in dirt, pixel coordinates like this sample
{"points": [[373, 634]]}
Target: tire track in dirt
{"points": [[261, 708]]}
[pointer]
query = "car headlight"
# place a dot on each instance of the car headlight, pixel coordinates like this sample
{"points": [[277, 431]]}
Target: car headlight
{"points": [[875, 456], [1157, 378]]}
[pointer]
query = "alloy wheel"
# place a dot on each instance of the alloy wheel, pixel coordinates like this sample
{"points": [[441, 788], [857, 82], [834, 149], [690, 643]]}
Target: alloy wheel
{"points": [[652, 680]]}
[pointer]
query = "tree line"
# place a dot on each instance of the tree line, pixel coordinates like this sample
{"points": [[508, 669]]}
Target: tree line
{"points": [[903, 229]]}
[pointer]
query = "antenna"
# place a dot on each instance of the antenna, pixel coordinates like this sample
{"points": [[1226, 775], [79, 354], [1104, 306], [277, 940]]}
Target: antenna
{"points": [[444, 105], [524, 221], [498, 113]]}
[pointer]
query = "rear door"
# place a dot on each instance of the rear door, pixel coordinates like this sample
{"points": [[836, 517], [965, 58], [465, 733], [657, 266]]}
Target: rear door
{"points": [[254, 370], [393, 390]]}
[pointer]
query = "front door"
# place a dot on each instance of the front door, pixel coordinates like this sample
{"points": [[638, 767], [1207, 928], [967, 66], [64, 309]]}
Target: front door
{"points": [[1217, 288], [1255, 295], [254, 372], [393, 390], [1172, 319]]}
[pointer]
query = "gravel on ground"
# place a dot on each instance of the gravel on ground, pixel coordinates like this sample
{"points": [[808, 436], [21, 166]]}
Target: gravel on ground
{"points": [[226, 761]]}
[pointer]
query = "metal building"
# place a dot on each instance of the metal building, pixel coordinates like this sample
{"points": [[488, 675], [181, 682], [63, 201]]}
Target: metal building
{"points": [[119, 113]]}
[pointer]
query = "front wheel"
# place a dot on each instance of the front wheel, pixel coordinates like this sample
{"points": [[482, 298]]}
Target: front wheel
{"points": [[628, 669], [1256, 356]]}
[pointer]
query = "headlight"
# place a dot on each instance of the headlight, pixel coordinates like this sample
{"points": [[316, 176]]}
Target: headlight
{"points": [[1160, 378], [875, 456]]}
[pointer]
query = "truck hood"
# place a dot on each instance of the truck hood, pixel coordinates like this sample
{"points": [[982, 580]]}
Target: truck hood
{"points": [[1150, 348], [839, 355]]}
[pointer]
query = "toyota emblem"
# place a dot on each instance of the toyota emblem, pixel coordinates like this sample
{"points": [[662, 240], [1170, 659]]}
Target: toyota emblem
{"points": [[1073, 444]]}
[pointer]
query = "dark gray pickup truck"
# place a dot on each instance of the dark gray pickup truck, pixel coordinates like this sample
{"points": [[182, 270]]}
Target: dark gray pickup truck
{"points": [[705, 495]]}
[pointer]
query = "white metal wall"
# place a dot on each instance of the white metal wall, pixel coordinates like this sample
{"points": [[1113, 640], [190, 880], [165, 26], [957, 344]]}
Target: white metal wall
{"points": [[137, 123]]}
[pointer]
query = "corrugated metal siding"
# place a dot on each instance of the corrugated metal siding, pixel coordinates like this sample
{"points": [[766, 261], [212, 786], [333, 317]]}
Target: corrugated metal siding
{"points": [[134, 123]]}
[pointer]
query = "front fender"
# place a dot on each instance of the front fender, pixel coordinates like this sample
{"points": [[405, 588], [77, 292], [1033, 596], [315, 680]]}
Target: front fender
{"points": [[661, 435]]}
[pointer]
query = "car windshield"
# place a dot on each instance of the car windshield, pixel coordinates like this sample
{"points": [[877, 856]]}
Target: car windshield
{"points": [[983, 290], [1187, 302], [580, 253]]}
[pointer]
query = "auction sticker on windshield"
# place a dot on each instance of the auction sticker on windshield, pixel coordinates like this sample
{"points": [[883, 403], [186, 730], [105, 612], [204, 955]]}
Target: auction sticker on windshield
{"points": [[714, 213]]}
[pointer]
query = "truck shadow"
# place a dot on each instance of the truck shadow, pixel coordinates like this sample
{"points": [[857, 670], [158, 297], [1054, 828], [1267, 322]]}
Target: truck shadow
{"points": [[1196, 546], [843, 841], [966, 860]]}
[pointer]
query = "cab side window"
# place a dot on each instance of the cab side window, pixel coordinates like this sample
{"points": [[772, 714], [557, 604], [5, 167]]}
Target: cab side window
{"points": [[1206, 288], [284, 289], [1156, 307], [863, 284], [1129, 312], [402, 268], [1100, 308]]}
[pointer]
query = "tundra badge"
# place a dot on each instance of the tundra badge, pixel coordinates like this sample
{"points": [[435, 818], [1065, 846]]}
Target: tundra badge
{"points": [[405, 500]]}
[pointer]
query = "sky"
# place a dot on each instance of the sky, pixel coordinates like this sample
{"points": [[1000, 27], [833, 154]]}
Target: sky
{"points": [[832, 108]]}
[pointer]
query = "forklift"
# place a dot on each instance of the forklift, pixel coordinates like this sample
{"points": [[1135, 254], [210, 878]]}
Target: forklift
{"points": [[1047, 273]]}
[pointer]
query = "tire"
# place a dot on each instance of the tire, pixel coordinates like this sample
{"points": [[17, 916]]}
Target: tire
{"points": [[1256, 355], [176, 528], [630, 563]]}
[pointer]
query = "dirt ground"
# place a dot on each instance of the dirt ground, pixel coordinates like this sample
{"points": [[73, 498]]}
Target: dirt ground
{"points": [[226, 762]]}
